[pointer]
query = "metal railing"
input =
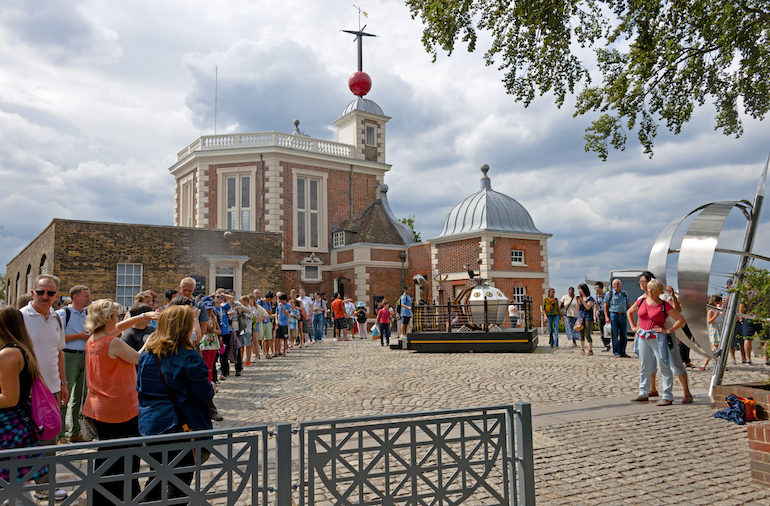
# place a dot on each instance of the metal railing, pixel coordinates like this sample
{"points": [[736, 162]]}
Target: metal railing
{"points": [[440, 457], [454, 317]]}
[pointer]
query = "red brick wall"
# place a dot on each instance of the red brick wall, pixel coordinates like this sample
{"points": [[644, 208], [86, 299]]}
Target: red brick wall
{"points": [[759, 453], [386, 255], [344, 256], [501, 254], [453, 255], [419, 263], [385, 282], [534, 289]]}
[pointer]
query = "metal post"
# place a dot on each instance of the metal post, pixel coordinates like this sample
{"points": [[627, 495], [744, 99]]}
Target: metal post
{"points": [[525, 459], [732, 304], [283, 464]]}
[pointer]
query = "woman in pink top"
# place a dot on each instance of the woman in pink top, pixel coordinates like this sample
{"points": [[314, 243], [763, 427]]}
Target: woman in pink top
{"points": [[112, 404], [383, 323], [651, 343]]}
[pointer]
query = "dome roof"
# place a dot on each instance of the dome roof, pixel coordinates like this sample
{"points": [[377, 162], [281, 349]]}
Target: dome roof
{"points": [[488, 210], [363, 104]]}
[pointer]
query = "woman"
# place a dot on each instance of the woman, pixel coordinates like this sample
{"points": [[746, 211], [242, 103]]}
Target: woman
{"points": [[586, 312], [715, 322], [551, 311], [18, 369], [569, 305], [184, 376], [211, 342], [111, 404], [383, 323], [651, 343], [677, 364], [361, 319]]}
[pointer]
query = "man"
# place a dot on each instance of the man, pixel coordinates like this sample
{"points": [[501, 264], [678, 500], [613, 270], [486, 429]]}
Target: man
{"points": [[616, 306], [350, 313], [137, 335], [186, 287], [75, 336], [340, 320], [307, 305], [319, 313], [599, 315], [46, 330], [406, 310]]}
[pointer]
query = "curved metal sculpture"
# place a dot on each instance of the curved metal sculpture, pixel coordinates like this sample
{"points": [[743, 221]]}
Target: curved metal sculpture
{"points": [[694, 267]]}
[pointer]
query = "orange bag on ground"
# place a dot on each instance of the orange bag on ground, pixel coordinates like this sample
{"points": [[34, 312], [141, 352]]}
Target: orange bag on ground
{"points": [[751, 408]]}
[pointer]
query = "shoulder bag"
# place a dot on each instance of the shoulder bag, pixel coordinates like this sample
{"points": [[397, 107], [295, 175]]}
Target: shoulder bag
{"points": [[46, 414], [204, 453]]}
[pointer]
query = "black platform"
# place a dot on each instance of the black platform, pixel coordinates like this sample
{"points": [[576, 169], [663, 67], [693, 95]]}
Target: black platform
{"points": [[511, 340]]}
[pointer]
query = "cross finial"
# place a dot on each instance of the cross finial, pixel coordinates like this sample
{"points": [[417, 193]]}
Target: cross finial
{"points": [[360, 34]]}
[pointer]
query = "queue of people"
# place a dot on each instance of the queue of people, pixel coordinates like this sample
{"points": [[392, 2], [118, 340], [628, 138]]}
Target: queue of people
{"points": [[153, 371]]}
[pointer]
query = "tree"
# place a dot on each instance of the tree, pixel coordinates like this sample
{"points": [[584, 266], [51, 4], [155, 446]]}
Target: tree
{"points": [[753, 292], [409, 222], [658, 58]]}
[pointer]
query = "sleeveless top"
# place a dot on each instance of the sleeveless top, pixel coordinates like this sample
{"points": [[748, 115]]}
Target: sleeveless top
{"points": [[25, 376], [112, 396]]}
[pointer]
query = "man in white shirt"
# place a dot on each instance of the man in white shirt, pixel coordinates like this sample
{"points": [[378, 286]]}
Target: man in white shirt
{"points": [[307, 304], [46, 330]]}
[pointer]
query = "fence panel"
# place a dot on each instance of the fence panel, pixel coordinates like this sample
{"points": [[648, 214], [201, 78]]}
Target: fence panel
{"points": [[235, 470]]}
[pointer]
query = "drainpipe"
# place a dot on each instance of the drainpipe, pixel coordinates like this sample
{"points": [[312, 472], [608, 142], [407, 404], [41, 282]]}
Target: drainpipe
{"points": [[261, 215]]}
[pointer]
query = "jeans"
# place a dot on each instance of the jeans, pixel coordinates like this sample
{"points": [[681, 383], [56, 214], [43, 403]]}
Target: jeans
{"points": [[619, 321], [649, 353], [553, 329], [75, 371], [318, 327], [384, 334]]}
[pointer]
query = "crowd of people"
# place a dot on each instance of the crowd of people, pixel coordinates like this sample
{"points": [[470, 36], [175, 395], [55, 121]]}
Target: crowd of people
{"points": [[154, 370], [654, 318]]}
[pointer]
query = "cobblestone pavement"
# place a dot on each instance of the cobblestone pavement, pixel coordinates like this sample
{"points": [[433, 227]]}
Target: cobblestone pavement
{"points": [[660, 456]]}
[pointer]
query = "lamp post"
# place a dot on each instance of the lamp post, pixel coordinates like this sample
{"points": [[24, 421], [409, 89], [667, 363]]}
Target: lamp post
{"points": [[402, 257]]}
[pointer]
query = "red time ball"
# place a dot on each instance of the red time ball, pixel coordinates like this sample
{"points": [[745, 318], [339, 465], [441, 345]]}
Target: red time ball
{"points": [[360, 83]]}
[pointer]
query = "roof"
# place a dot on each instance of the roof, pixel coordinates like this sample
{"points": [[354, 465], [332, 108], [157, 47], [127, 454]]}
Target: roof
{"points": [[488, 211], [362, 104], [377, 224]]}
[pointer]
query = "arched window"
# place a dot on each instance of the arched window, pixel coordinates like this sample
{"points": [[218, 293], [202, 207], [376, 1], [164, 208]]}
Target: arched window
{"points": [[29, 279], [43, 265], [18, 288]]}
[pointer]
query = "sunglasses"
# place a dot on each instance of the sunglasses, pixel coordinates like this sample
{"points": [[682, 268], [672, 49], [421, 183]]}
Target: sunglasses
{"points": [[41, 292]]}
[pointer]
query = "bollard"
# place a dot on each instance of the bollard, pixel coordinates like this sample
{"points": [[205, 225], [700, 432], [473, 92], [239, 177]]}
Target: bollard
{"points": [[283, 464]]}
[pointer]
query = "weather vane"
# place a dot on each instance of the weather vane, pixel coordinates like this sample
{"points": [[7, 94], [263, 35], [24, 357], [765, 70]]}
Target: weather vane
{"points": [[360, 34]]}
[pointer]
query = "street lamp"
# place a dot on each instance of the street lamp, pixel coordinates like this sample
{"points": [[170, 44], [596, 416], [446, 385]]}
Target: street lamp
{"points": [[402, 257]]}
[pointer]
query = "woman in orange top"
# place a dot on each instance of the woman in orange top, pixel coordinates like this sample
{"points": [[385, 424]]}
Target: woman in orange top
{"points": [[112, 404]]}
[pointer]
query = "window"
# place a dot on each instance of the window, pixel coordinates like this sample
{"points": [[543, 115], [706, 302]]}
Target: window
{"points": [[18, 286], [187, 214], [308, 213], [339, 239], [311, 269], [238, 202], [129, 283], [224, 278], [518, 294], [43, 265], [371, 137], [30, 279], [517, 257]]}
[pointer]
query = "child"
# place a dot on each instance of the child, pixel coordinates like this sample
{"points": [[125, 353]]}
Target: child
{"points": [[715, 322], [282, 312], [361, 319], [294, 317], [211, 342], [384, 317]]}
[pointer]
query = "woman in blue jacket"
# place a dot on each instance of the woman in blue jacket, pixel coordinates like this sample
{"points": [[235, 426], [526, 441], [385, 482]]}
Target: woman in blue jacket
{"points": [[184, 376]]}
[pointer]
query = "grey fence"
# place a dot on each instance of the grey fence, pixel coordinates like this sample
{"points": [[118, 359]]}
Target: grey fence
{"points": [[480, 455]]}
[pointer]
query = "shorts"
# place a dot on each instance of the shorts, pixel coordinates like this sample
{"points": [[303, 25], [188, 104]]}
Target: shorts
{"points": [[282, 332], [751, 327], [405, 320], [341, 323], [292, 333], [267, 332]]}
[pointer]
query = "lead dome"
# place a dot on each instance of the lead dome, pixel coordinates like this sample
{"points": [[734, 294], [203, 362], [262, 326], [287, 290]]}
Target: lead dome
{"points": [[488, 211]]}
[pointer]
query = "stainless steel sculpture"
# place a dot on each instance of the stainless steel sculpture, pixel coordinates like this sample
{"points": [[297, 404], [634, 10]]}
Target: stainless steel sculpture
{"points": [[694, 268]]}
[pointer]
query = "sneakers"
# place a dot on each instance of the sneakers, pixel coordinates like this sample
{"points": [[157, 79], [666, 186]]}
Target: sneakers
{"points": [[216, 417], [58, 495]]}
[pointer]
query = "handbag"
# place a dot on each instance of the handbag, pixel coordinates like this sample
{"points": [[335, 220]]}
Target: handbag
{"points": [[204, 453], [46, 413], [751, 408], [580, 324]]}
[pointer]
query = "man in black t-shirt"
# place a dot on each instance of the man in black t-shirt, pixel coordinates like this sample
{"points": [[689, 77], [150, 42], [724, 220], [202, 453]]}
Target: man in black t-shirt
{"points": [[137, 335]]}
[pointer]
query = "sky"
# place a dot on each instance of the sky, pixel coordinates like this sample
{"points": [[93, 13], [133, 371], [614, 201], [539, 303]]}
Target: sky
{"points": [[96, 99]]}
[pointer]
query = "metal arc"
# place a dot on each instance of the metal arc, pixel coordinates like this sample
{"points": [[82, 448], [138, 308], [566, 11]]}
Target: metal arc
{"points": [[661, 248], [694, 269]]}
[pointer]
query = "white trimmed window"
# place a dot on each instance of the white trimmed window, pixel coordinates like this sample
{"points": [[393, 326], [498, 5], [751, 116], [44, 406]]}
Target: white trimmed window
{"points": [[129, 284], [238, 202], [518, 294], [311, 229], [311, 269], [517, 257], [371, 135], [224, 278], [339, 239]]}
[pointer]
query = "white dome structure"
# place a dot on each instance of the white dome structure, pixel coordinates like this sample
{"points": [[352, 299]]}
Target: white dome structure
{"points": [[488, 211]]}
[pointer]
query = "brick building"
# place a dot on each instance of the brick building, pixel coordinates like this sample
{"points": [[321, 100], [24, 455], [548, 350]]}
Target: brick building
{"points": [[118, 260]]}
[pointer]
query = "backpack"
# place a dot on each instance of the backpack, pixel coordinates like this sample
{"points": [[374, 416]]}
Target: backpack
{"points": [[398, 305]]}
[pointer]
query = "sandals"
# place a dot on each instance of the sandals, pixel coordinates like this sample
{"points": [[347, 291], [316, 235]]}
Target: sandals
{"points": [[664, 402], [640, 399], [687, 399], [582, 352], [653, 393], [590, 352]]}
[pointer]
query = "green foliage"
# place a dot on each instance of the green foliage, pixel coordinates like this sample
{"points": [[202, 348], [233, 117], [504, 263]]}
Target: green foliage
{"points": [[658, 58], [754, 292], [410, 223]]}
